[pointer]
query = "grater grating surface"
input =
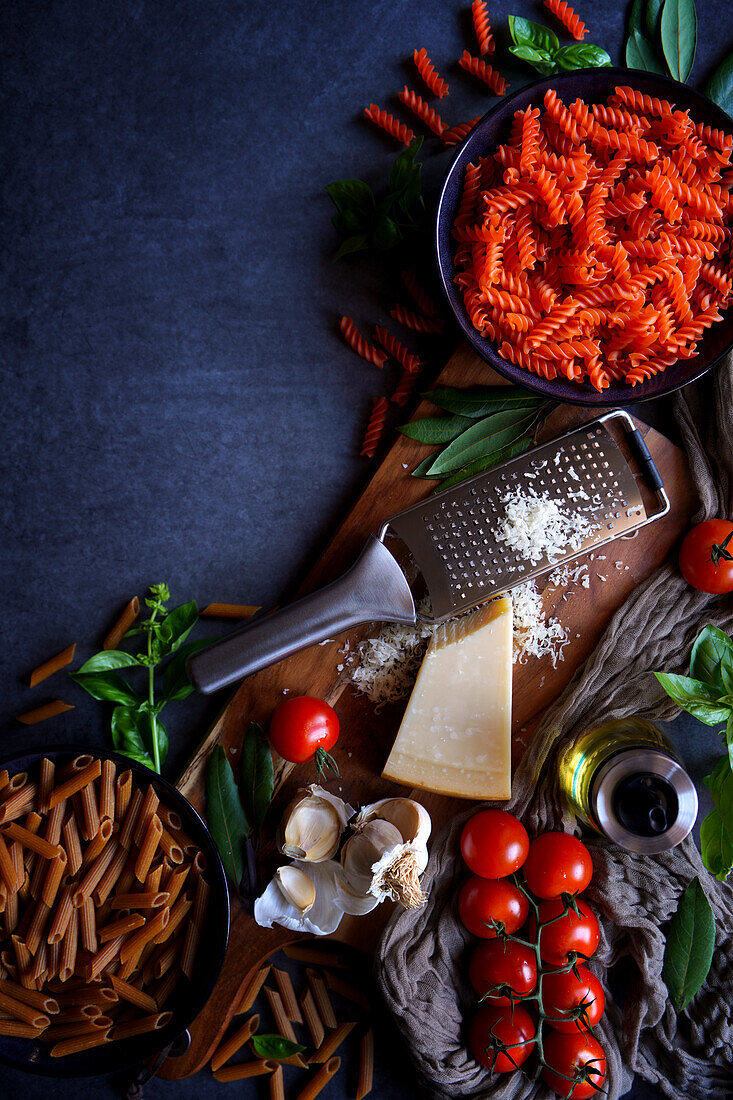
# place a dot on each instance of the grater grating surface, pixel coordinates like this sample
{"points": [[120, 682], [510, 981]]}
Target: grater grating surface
{"points": [[452, 536]]}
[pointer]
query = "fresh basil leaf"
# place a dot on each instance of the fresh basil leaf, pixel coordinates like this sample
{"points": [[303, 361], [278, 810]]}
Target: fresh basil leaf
{"points": [[385, 235], [224, 814], [177, 625], [275, 1046], [485, 463], [716, 845], [652, 12], [720, 785], [694, 696], [108, 686], [726, 673], [405, 166], [357, 243], [719, 87], [640, 55], [351, 196], [176, 684], [484, 436], [532, 54], [526, 33], [690, 944], [711, 646], [109, 658], [479, 401], [145, 726], [422, 468], [679, 36], [729, 738], [256, 781], [435, 429], [127, 737], [582, 55]]}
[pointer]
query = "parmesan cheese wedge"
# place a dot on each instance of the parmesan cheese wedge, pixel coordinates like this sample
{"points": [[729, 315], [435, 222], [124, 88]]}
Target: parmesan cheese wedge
{"points": [[455, 737]]}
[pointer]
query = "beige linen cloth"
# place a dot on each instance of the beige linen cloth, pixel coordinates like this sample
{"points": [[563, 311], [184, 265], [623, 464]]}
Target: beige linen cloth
{"points": [[421, 963]]}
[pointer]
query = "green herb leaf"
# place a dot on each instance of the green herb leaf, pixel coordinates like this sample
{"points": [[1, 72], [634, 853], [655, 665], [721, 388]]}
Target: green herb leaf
{"points": [[652, 12], [127, 736], [694, 696], [422, 468], [176, 684], [690, 944], [716, 831], [108, 658], [224, 814], [108, 686], [526, 33], [485, 463], [636, 16], [275, 1046], [711, 646], [482, 438], [540, 60], [679, 36], [435, 429], [582, 55], [726, 673], [357, 243], [719, 87], [177, 625], [256, 779], [640, 55], [405, 167], [479, 401], [349, 195], [386, 234]]}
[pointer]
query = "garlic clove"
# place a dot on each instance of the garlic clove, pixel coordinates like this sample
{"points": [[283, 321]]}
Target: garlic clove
{"points": [[312, 824], [324, 916], [364, 849], [351, 900], [297, 887], [409, 816]]}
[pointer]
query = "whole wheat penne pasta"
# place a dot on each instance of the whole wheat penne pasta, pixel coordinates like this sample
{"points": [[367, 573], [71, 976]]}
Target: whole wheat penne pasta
{"points": [[172, 849], [149, 899], [251, 991], [152, 879], [54, 823], [235, 1042], [21, 1011], [46, 710], [29, 840], [149, 807], [16, 783], [10, 919], [90, 810], [127, 992], [140, 1027], [36, 928], [177, 913], [123, 793], [366, 1065], [199, 859], [258, 1068], [277, 1085], [318, 1083], [164, 958], [129, 824], [53, 960], [325, 955], [4, 780], [46, 1004], [54, 874], [7, 868], [77, 1029], [100, 996], [287, 993], [97, 844], [111, 876], [121, 927], [75, 1046], [79, 1014], [24, 893], [190, 947], [229, 611], [62, 915], [39, 966], [46, 775], [332, 1042], [277, 1008], [130, 612], [164, 989], [3, 896], [76, 782], [312, 1019], [72, 844], [174, 884], [78, 764], [88, 926], [201, 904], [19, 1029], [148, 932], [32, 824], [94, 874], [103, 958], [170, 818], [321, 997], [16, 856], [348, 991], [107, 790], [148, 847], [53, 664]]}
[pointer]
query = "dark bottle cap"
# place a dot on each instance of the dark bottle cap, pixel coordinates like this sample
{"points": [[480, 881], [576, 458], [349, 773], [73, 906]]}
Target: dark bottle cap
{"points": [[644, 800]]}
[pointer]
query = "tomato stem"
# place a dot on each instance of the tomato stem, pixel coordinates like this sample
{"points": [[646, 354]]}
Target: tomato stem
{"points": [[325, 763]]}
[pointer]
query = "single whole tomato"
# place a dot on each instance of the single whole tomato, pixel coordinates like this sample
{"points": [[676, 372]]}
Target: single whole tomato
{"points": [[568, 933], [706, 556], [483, 900], [573, 1056], [557, 863], [503, 967], [494, 843], [565, 992], [512, 1026], [304, 728]]}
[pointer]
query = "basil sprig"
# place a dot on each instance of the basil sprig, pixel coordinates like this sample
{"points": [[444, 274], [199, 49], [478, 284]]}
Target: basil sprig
{"points": [[540, 47], [688, 951], [276, 1047]]}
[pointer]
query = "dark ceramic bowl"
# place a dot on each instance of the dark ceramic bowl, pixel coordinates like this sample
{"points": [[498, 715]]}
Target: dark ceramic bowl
{"points": [[594, 86], [190, 996]]}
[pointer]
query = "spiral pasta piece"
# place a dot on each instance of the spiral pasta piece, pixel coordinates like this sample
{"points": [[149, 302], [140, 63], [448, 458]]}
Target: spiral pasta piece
{"points": [[407, 359], [360, 344], [484, 72], [404, 388], [430, 76], [458, 133], [422, 110], [572, 22], [391, 125], [482, 27], [374, 428], [414, 321]]}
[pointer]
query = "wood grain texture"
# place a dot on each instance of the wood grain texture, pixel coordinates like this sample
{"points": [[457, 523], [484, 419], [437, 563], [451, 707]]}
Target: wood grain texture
{"points": [[366, 737]]}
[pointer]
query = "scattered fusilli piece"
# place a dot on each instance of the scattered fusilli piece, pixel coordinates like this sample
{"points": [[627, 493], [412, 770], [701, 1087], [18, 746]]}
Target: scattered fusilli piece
{"points": [[391, 125], [565, 14], [359, 344], [458, 133], [407, 359], [374, 428], [482, 28], [415, 321], [405, 386], [422, 110], [428, 72], [483, 71], [418, 293]]}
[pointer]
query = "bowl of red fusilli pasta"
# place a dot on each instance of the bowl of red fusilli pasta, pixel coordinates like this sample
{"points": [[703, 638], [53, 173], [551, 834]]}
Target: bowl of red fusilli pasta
{"points": [[584, 236]]}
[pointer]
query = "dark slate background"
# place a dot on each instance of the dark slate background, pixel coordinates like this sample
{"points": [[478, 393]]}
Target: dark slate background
{"points": [[177, 403]]}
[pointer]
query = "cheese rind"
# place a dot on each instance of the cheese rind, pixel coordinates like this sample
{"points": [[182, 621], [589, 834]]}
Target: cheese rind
{"points": [[455, 737]]}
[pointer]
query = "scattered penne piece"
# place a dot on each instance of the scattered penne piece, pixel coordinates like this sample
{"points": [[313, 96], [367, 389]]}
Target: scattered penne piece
{"points": [[53, 664], [46, 710]]}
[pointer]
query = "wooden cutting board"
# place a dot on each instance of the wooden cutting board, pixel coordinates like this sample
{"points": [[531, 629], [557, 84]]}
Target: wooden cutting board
{"points": [[366, 737]]}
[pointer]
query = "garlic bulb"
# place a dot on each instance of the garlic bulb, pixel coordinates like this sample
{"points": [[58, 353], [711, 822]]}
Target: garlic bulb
{"points": [[276, 906], [407, 815], [388, 851], [312, 825]]}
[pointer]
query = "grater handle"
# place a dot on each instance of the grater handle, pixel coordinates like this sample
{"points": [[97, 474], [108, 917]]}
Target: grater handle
{"points": [[645, 460], [373, 590]]}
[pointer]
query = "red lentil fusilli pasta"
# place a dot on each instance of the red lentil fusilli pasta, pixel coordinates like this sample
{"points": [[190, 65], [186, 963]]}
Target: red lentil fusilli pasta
{"points": [[572, 23], [428, 72]]}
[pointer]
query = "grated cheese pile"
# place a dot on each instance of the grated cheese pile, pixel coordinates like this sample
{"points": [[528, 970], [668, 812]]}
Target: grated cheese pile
{"points": [[537, 527], [385, 667], [534, 634]]}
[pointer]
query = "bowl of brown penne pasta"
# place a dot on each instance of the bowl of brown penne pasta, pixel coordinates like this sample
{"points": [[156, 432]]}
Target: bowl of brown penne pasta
{"points": [[114, 912]]}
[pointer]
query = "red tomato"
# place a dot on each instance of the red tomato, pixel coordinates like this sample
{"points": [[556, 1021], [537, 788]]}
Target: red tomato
{"points": [[506, 965], [564, 993], [557, 863], [510, 1025], [706, 556], [569, 933], [494, 843], [567, 1055], [482, 900], [304, 728]]}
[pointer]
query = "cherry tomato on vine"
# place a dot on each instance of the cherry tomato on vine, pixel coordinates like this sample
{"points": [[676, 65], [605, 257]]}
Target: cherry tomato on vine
{"points": [[304, 728], [566, 1055], [564, 992], [569, 933], [494, 843], [504, 964], [482, 900], [557, 863], [509, 1025], [706, 556]]}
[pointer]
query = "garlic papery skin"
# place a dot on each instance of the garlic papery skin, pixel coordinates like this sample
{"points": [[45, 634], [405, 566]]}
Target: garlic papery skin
{"points": [[408, 816], [388, 851], [321, 919], [297, 887], [365, 849], [312, 825]]}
